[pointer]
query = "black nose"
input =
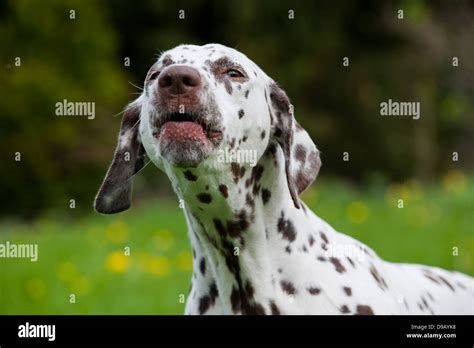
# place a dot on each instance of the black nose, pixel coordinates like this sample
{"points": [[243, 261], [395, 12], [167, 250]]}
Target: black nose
{"points": [[179, 79]]}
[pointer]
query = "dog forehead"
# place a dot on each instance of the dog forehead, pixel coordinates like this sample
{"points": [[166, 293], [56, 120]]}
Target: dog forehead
{"points": [[210, 53]]}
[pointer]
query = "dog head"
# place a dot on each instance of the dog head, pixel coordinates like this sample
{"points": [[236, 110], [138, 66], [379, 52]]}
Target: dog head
{"points": [[198, 102]]}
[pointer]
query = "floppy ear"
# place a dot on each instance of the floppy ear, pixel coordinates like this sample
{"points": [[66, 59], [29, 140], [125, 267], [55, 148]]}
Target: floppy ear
{"points": [[302, 160], [115, 194]]}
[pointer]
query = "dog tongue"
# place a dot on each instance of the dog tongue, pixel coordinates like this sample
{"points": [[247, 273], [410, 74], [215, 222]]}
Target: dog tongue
{"points": [[185, 130]]}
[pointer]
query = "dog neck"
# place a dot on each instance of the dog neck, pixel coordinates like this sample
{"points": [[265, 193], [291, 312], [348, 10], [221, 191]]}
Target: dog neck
{"points": [[235, 220]]}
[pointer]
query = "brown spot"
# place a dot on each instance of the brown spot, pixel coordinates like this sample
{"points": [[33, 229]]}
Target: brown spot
{"points": [[167, 61], [378, 278], [249, 289], [288, 287], [202, 266], [190, 176], [347, 290], [223, 189], [219, 227], [204, 198], [424, 302], [235, 300], [300, 153], [311, 240], [344, 309], [266, 194], [204, 304], [235, 168], [432, 278], [228, 86], [324, 237], [350, 261], [249, 200], [274, 308], [286, 228], [337, 264], [241, 113], [364, 310], [321, 258], [254, 309], [314, 291], [213, 292], [447, 283], [257, 172]]}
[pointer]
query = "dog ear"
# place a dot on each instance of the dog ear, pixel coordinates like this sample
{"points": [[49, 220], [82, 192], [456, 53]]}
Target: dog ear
{"points": [[115, 194], [302, 159]]}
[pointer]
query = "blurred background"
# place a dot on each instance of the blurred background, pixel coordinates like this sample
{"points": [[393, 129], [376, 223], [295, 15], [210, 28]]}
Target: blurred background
{"points": [[83, 59]]}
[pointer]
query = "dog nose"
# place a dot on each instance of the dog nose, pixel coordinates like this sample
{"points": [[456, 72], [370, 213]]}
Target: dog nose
{"points": [[179, 79]]}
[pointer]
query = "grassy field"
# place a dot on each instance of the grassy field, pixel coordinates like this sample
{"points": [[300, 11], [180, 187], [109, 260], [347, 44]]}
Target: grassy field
{"points": [[86, 257]]}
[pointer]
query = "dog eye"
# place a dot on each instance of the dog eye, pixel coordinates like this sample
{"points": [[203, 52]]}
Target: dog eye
{"points": [[234, 73], [153, 75]]}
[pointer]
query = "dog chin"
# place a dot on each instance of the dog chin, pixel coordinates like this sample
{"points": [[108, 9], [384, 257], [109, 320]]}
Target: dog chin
{"points": [[185, 154]]}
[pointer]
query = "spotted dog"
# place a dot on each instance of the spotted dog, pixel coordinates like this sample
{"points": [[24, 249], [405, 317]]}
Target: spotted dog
{"points": [[257, 247]]}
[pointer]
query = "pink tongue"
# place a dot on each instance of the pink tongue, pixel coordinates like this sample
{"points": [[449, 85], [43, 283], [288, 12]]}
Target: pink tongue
{"points": [[182, 131]]}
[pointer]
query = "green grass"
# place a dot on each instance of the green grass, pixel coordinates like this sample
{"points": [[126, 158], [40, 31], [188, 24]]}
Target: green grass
{"points": [[86, 257]]}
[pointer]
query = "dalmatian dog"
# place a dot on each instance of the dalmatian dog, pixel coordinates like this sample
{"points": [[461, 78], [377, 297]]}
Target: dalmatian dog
{"points": [[204, 113]]}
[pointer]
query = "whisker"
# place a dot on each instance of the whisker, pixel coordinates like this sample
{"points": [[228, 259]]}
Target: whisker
{"points": [[130, 178], [135, 124], [121, 112], [140, 88]]}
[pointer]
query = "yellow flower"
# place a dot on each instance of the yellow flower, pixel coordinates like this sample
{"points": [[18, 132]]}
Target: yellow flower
{"points": [[158, 265], [66, 271], [357, 212], [420, 215], [454, 181], [80, 285], [117, 262], [117, 231], [184, 261], [415, 190], [163, 240], [36, 288], [396, 192]]}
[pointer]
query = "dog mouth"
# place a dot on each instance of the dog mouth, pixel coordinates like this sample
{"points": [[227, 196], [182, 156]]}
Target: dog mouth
{"points": [[187, 127], [187, 139]]}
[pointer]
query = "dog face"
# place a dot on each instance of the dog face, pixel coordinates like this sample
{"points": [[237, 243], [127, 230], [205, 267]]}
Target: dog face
{"points": [[198, 103], [201, 99]]}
